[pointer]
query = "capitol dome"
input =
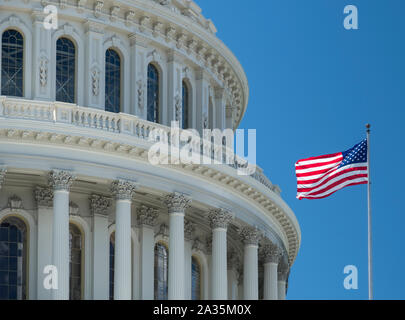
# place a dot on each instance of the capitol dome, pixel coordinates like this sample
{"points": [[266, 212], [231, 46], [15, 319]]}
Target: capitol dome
{"points": [[80, 103]]}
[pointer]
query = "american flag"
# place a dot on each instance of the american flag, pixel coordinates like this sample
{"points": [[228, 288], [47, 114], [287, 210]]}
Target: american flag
{"points": [[319, 177]]}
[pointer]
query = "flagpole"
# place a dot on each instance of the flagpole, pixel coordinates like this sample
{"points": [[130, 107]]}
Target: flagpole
{"points": [[370, 266]]}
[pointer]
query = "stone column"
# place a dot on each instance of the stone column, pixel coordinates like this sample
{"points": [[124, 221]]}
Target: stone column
{"points": [[3, 172], [99, 206], [220, 106], [147, 219], [174, 88], [189, 228], [250, 237], [202, 99], [219, 220], [123, 191], [177, 204], [44, 199], [282, 279], [271, 257], [61, 182], [233, 264]]}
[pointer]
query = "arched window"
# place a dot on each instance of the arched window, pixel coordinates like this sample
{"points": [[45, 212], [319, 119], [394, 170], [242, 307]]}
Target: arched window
{"points": [[65, 70], [186, 106], [112, 255], [76, 249], [13, 259], [195, 279], [153, 94], [161, 267], [112, 81], [12, 63]]}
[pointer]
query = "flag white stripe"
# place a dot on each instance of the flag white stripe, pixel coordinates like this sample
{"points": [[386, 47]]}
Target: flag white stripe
{"points": [[332, 165], [306, 162], [332, 181], [340, 186], [315, 176]]}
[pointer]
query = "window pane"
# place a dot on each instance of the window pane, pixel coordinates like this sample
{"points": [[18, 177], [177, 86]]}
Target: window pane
{"points": [[75, 267], [161, 266], [65, 70], [185, 107], [112, 81], [112, 252], [13, 253], [12, 63], [195, 279], [153, 94]]}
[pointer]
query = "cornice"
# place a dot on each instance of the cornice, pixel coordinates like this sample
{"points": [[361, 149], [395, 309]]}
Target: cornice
{"points": [[252, 190]]}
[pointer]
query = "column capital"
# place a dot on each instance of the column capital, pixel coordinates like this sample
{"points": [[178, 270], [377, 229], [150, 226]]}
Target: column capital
{"points": [[270, 252], [189, 228], [282, 270], [3, 172], [219, 218], [147, 216], [123, 189], [43, 196], [177, 202], [99, 204], [250, 235], [60, 180]]}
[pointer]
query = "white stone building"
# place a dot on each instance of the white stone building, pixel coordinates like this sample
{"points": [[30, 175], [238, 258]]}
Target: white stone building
{"points": [[78, 105]]}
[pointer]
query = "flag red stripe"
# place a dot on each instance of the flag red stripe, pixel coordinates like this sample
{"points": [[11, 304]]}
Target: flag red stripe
{"points": [[355, 176], [320, 157], [320, 164], [308, 174], [327, 195], [332, 176]]}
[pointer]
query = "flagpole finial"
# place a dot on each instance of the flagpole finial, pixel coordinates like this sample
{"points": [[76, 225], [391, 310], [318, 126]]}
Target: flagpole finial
{"points": [[368, 127]]}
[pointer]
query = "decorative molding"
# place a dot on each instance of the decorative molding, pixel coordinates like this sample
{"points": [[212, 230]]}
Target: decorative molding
{"points": [[73, 208], [43, 70], [3, 172], [60, 180], [95, 80], [123, 189], [219, 218], [14, 202], [147, 216], [250, 235], [198, 245], [43, 196], [189, 228], [163, 231], [177, 202], [282, 270], [99, 205]]}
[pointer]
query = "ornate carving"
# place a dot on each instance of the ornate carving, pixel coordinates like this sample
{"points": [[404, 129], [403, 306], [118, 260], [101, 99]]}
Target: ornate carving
{"points": [[178, 107], [43, 196], [147, 216], [140, 91], [177, 202], [205, 121], [170, 32], [143, 23], [73, 208], [99, 205], [3, 172], [114, 13], [219, 218], [129, 18], [123, 189], [62, 4], [198, 245], [60, 180], [95, 81], [157, 28], [250, 235], [208, 244], [189, 228], [14, 202], [181, 39], [270, 252], [98, 6], [43, 71], [163, 231]]}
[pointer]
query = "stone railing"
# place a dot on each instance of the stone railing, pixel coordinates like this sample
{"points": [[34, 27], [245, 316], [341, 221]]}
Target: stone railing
{"points": [[120, 123]]}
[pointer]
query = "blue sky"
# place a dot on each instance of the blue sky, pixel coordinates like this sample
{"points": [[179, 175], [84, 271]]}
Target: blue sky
{"points": [[313, 87]]}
